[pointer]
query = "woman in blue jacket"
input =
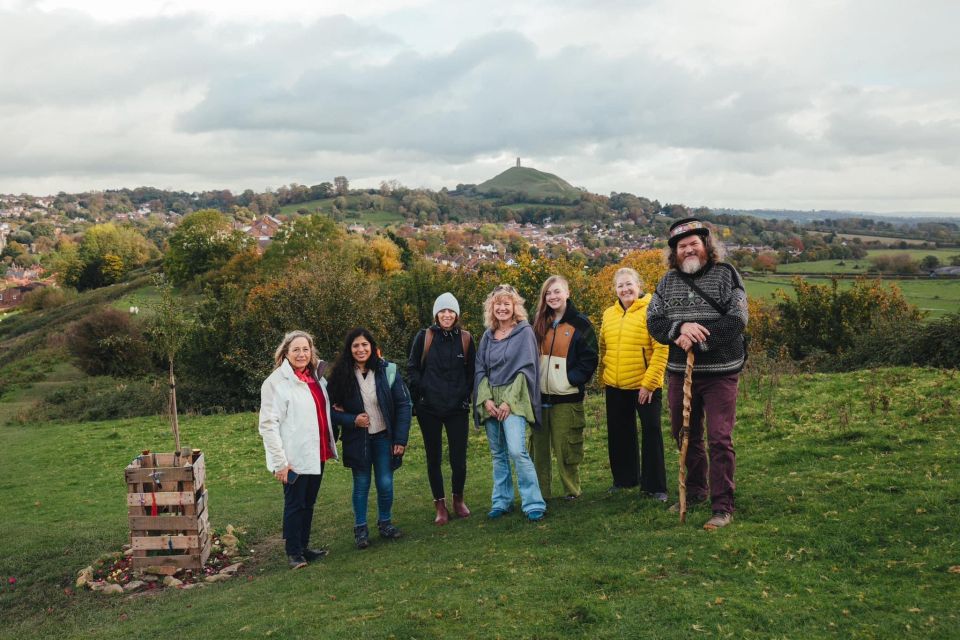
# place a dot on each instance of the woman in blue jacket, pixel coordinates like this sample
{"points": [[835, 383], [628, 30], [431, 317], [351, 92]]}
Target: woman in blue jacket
{"points": [[372, 413]]}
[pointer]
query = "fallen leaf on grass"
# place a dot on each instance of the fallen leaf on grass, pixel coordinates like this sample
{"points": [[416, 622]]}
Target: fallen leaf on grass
{"points": [[954, 569]]}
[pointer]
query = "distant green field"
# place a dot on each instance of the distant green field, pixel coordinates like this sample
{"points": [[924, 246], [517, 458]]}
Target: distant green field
{"points": [[936, 297], [369, 216], [860, 266]]}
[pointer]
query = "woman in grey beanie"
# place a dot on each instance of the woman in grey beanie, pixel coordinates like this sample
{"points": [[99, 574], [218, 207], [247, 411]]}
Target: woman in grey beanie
{"points": [[440, 379]]}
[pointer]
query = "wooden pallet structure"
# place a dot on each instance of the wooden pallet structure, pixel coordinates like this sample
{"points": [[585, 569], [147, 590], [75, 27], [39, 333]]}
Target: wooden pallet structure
{"points": [[167, 506]]}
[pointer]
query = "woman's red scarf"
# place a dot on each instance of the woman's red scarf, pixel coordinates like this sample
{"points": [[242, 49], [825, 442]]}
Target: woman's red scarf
{"points": [[326, 451]]}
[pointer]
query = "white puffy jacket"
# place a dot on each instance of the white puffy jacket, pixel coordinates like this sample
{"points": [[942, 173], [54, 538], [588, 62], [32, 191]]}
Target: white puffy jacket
{"points": [[288, 422]]}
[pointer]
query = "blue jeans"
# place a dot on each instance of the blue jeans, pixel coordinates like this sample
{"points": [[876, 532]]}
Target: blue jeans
{"points": [[508, 442], [381, 452]]}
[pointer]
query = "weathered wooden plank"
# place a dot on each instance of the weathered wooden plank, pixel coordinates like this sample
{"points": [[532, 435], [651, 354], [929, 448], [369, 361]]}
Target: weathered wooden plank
{"points": [[191, 561], [162, 543], [199, 471], [166, 474], [163, 498]]}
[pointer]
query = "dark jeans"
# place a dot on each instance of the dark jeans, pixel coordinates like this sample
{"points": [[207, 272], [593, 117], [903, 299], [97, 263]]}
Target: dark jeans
{"points": [[298, 501], [626, 464], [717, 396], [432, 427], [381, 452]]}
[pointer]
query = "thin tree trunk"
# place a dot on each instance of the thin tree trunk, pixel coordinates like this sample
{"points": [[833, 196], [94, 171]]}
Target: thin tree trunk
{"points": [[174, 421]]}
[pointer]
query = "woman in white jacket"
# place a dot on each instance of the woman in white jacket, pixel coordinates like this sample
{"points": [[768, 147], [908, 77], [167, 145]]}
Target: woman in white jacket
{"points": [[298, 438]]}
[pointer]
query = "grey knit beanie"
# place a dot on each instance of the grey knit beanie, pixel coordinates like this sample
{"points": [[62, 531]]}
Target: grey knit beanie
{"points": [[446, 301]]}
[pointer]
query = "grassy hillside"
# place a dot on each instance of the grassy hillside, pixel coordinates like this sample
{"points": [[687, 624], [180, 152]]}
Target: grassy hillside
{"points": [[936, 297], [530, 181], [846, 527]]}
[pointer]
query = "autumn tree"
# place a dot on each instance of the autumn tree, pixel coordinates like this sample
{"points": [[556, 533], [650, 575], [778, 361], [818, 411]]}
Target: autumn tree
{"points": [[203, 241]]}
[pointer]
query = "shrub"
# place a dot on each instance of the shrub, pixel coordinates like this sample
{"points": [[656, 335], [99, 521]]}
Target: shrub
{"points": [[824, 318], [100, 399], [48, 298], [107, 342]]}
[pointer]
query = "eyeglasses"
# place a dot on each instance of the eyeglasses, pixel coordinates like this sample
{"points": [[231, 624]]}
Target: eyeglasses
{"points": [[504, 287]]}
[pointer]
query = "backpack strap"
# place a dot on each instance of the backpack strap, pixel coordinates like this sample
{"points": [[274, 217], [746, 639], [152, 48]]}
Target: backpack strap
{"points": [[427, 341], [391, 373]]}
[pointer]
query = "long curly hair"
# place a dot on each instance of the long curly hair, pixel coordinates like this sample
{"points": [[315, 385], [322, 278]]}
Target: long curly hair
{"points": [[342, 380], [503, 291]]}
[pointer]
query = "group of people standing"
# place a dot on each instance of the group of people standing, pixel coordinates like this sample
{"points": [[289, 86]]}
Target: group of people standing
{"points": [[519, 374]]}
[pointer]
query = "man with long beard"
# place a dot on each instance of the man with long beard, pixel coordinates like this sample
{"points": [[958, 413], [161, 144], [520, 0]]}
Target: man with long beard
{"points": [[700, 304]]}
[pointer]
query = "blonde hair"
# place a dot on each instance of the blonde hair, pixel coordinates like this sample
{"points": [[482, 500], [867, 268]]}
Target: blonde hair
{"points": [[281, 353], [540, 321], [503, 291], [627, 271]]}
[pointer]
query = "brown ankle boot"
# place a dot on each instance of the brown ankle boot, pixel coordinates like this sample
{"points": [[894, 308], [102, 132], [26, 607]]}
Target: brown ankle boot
{"points": [[442, 515], [459, 507]]}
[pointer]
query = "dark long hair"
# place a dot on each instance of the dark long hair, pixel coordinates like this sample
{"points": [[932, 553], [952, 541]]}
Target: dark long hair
{"points": [[342, 381]]}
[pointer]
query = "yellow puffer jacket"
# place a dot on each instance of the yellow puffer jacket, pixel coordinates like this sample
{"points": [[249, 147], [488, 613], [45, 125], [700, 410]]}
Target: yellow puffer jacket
{"points": [[629, 357]]}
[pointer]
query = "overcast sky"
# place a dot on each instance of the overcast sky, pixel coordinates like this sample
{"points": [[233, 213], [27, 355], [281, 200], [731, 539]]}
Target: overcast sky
{"points": [[826, 104]]}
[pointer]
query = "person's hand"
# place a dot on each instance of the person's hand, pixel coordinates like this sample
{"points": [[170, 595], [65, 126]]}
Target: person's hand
{"points": [[281, 474], [644, 396], [362, 421], [398, 449], [503, 411], [684, 343], [337, 407], [695, 331], [491, 409]]}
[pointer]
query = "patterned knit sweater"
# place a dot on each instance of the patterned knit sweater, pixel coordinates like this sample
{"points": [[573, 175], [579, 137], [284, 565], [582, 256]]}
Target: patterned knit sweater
{"points": [[674, 303]]}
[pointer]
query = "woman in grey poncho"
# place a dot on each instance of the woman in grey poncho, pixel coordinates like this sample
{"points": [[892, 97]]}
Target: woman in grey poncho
{"points": [[507, 397]]}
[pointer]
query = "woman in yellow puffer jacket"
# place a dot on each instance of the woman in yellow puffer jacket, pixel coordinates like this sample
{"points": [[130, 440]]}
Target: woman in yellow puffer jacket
{"points": [[632, 365]]}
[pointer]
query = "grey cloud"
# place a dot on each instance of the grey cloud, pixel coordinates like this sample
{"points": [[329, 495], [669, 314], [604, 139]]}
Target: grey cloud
{"points": [[495, 93]]}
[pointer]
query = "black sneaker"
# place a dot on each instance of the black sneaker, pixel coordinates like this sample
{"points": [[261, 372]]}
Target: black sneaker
{"points": [[297, 562], [315, 554], [361, 536], [388, 531]]}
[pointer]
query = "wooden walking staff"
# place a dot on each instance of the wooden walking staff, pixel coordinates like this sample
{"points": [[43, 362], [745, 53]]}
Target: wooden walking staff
{"points": [[685, 434]]}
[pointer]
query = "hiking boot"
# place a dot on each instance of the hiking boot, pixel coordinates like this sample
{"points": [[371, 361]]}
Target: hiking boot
{"points": [[361, 536], [570, 497], [660, 496], [315, 554], [297, 562], [691, 504], [460, 507], [719, 519], [387, 530], [442, 515]]}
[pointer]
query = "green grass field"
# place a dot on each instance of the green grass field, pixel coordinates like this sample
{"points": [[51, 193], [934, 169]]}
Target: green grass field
{"points": [[351, 215], [861, 266], [846, 528], [936, 297]]}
